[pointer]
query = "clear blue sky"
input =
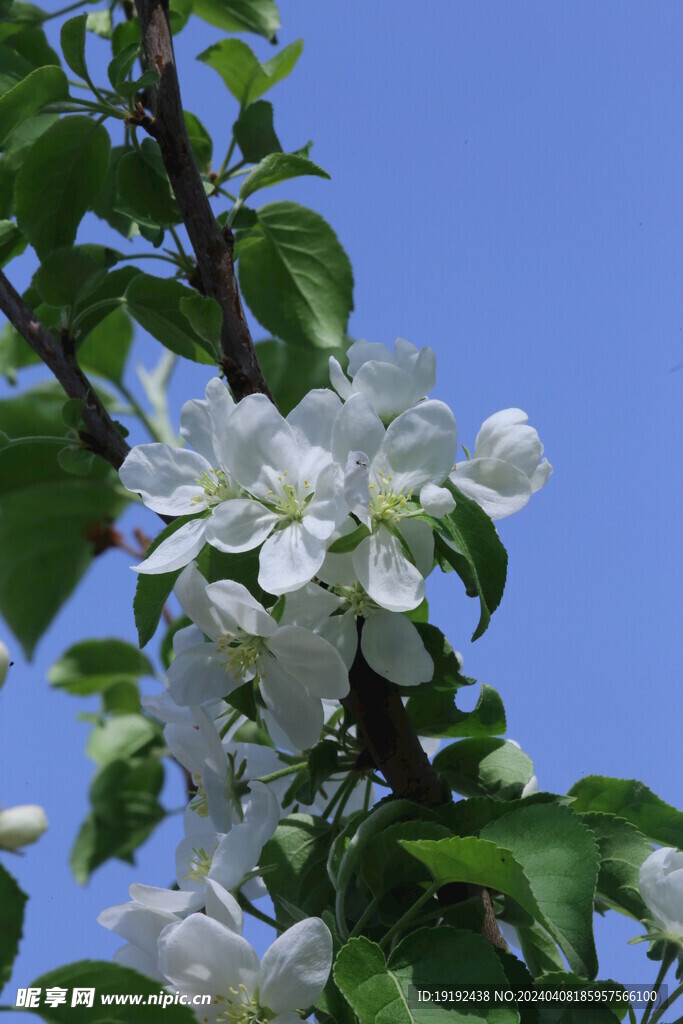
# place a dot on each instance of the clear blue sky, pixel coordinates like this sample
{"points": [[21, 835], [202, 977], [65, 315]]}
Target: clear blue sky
{"points": [[506, 179]]}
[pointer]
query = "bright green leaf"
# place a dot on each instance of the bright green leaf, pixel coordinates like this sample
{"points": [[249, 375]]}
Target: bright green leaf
{"points": [[435, 714], [244, 75], [121, 736], [41, 87], [632, 800], [622, 851], [259, 16], [485, 766], [58, 181], [275, 168], [296, 277], [93, 665], [349, 541]]}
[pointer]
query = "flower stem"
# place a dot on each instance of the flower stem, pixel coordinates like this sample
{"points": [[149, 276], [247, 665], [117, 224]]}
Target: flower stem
{"points": [[258, 914], [667, 961], [291, 769], [657, 1015], [410, 913], [364, 917]]}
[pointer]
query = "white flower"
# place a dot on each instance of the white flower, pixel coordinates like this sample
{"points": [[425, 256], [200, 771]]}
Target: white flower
{"points": [[21, 826], [201, 955], [294, 499], [4, 663], [661, 885], [391, 383], [506, 467], [294, 667], [383, 469], [178, 482]]}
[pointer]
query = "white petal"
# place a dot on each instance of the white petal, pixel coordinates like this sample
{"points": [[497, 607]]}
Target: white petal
{"points": [[222, 906], [197, 675], [518, 444], [388, 388], [311, 660], [493, 425], [406, 354], [357, 485], [162, 706], [541, 475], [498, 487], [386, 574], [186, 745], [172, 901], [237, 604], [298, 713], [166, 478], [191, 591], [195, 428], [130, 956], [289, 559], [202, 955], [260, 446], [436, 501], [312, 420], [339, 380], [420, 446], [356, 428], [327, 508], [419, 537], [296, 967], [221, 405], [424, 369], [362, 351], [137, 924], [394, 648], [340, 631], [176, 551], [337, 569], [309, 607], [261, 809], [237, 853], [239, 525]]}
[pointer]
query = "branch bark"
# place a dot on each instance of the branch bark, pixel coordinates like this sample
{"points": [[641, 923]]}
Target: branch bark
{"points": [[213, 246], [103, 436]]}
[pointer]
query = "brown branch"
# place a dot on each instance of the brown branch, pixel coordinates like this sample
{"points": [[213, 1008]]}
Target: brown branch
{"points": [[212, 246], [102, 435]]}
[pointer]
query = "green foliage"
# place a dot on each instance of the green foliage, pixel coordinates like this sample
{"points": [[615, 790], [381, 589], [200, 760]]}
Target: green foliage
{"points": [[200, 140], [254, 132], [483, 766], [632, 800], [296, 277], [50, 519], [294, 860], [12, 901], [107, 979], [122, 737], [291, 371], [41, 87], [92, 666], [244, 75], [144, 189], [206, 319], [435, 714], [259, 16], [383, 992], [152, 590], [622, 851], [155, 303], [59, 179], [277, 167]]}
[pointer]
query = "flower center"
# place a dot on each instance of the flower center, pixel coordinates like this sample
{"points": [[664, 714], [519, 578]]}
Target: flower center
{"points": [[243, 652], [216, 487], [241, 1008], [288, 504], [356, 598], [199, 865], [199, 802], [386, 505]]}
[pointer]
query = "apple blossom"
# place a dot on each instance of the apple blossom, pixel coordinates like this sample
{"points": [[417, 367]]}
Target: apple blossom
{"points": [[21, 826], [506, 467], [201, 955], [177, 482], [293, 501], [391, 383], [661, 885]]}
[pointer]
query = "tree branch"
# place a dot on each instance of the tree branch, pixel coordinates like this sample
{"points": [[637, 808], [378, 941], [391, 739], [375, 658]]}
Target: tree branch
{"points": [[103, 436], [213, 246]]}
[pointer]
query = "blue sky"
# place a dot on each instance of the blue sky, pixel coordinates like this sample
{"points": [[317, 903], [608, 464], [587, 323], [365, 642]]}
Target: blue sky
{"points": [[506, 181]]}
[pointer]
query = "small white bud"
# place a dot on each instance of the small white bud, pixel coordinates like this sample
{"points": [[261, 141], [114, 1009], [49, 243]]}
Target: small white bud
{"points": [[20, 826]]}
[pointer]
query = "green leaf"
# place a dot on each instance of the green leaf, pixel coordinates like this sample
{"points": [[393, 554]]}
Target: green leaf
{"points": [[155, 303], [72, 38], [121, 737], [539, 951], [107, 203], [622, 851], [478, 543], [296, 277], [12, 901], [100, 24], [200, 140], [144, 188], [277, 167], [124, 59], [13, 68], [632, 800], [296, 856], [58, 181], [485, 766], [349, 541], [39, 88], [12, 242], [554, 881], [48, 517], [430, 958], [125, 811], [32, 44], [447, 676], [108, 979], [435, 714], [244, 75], [469, 817], [385, 865], [291, 373], [255, 133], [205, 317], [259, 16], [92, 666], [105, 350], [76, 460], [102, 299], [67, 274]]}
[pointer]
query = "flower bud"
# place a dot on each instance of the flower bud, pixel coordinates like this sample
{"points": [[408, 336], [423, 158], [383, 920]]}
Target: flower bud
{"points": [[20, 826], [661, 885], [4, 662]]}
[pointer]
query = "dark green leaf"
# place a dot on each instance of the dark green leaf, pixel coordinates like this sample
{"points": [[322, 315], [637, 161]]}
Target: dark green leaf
{"points": [[259, 16], [469, 817], [349, 541], [76, 460], [72, 38], [622, 851], [296, 277], [206, 319], [447, 676], [67, 274], [58, 181], [254, 132], [119, 68], [12, 901], [153, 589], [632, 800], [296, 856], [105, 350], [13, 67], [435, 714], [32, 44], [291, 372], [277, 167], [485, 767], [93, 665], [12, 242], [107, 203], [246, 78], [200, 140], [108, 979], [27, 97], [143, 186], [155, 303], [385, 865]]}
